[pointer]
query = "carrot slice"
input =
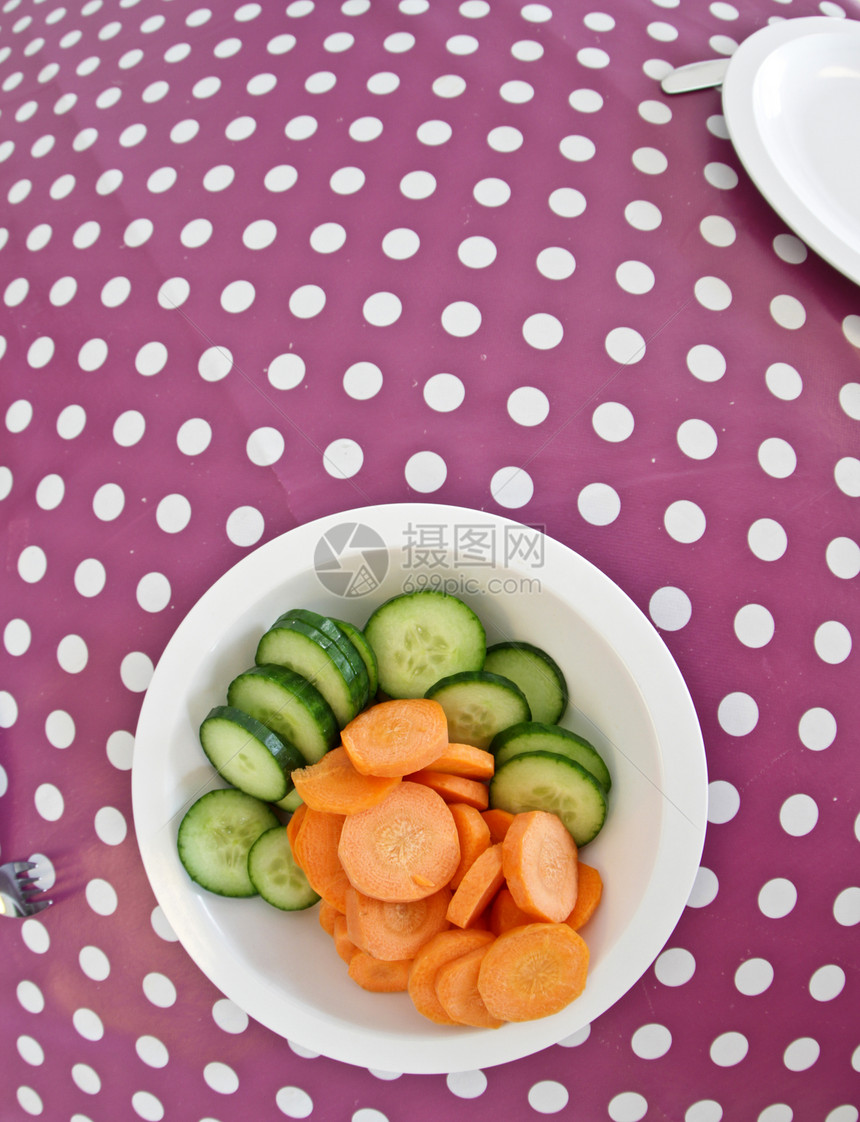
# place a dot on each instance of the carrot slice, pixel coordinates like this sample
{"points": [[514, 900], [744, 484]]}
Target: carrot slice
{"points": [[293, 826], [377, 976], [327, 913], [454, 788], [533, 971], [403, 849], [474, 835], [467, 761], [477, 888], [395, 931], [588, 893], [498, 820], [539, 860], [457, 990], [442, 948], [344, 946], [506, 913], [397, 736], [315, 851], [333, 784]]}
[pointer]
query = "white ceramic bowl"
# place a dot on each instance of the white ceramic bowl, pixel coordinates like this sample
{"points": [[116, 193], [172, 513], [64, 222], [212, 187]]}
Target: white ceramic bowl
{"points": [[627, 696]]}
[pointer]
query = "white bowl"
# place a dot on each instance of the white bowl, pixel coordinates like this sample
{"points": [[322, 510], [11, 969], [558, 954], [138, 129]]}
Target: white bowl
{"points": [[627, 697]]}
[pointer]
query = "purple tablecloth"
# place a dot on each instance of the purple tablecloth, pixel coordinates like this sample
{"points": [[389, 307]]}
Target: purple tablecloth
{"points": [[265, 262]]}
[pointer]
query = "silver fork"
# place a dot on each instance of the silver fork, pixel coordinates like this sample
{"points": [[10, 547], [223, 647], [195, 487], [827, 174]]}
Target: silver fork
{"points": [[20, 893]]}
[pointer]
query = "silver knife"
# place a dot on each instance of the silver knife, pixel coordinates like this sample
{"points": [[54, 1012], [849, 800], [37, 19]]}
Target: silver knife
{"points": [[696, 76]]}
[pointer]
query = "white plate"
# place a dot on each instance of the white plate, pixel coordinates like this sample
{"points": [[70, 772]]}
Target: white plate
{"points": [[791, 99], [628, 696]]}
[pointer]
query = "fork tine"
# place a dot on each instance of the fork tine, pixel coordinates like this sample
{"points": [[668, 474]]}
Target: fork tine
{"points": [[22, 866], [31, 886], [38, 906]]}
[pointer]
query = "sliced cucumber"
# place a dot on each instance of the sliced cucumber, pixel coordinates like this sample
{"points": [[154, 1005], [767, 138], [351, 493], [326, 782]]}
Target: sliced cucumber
{"points": [[334, 631], [420, 637], [536, 673], [533, 736], [291, 801], [248, 754], [275, 874], [479, 705], [543, 781], [304, 648], [289, 705], [368, 655], [215, 836]]}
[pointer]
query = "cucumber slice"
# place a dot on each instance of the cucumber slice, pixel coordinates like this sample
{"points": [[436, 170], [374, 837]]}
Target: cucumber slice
{"points": [[289, 705], [479, 705], [542, 781], [536, 673], [533, 736], [215, 836], [420, 637], [306, 650], [275, 874], [291, 801], [248, 754], [358, 639], [334, 631]]}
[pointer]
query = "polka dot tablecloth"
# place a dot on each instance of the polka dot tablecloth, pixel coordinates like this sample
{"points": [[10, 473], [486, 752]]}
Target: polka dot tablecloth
{"points": [[262, 262]]}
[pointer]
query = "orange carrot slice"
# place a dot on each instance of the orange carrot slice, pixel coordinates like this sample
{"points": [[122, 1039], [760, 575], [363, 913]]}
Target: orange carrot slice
{"points": [[333, 784], [454, 788], [403, 849], [293, 826], [588, 893], [327, 913], [539, 861], [378, 976], [396, 737], [506, 913], [457, 990], [315, 851], [442, 948], [533, 971], [498, 820], [395, 931], [344, 946], [474, 835], [467, 761], [477, 888]]}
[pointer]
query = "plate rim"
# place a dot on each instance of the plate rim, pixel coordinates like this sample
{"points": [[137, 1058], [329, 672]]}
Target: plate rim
{"points": [[737, 100], [686, 788]]}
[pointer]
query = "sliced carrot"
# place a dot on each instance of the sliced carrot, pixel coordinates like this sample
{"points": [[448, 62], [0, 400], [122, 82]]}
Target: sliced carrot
{"points": [[397, 736], [403, 849], [294, 824], [477, 888], [474, 835], [467, 761], [539, 860], [454, 788], [395, 931], [442, 948], [327, 913], [498, 820], [533, 971], [378, 976], [506, 913], [588, 893], [344, 946], [315, 850], [457, 990], [333, 784]]}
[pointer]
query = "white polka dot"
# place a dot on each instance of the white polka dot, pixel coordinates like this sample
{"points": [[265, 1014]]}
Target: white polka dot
{"points": [[94, 963], [790, 249], [635, 277], [817, 729], [159, 990], [173, 513], [153, 592], [843, 558], [265, 446], [365, 129], [50, 491], [286, 371], [598, 503], [505, 138], [849, 400], [90, 577], [101, 896], [151, 359], [767, 539], [129, 428], [705, 888], [713, 293], [777, 898], [625, 345], [846, 907], [754, 625], [650, 161], [670, 608], [847, 476], [801, 1054], [444, 392], [242, 127], [721, 176], [120, 750], [798, 815], [63, 291], [147, 1107], [173, 293], [161, 927], [729, 1049], [738, 714], [362, 381], [8, 709], [40, 352], [108, 502], [17, 637], [753, 976], [477, 252], [832, 642], [401, 244], [788, 312], [527, 50], [697, 439], [245, 526], [491, 192], [528, 406], [111, 826], [49, 802], [567, 202], [543, 331], [30, 1050], [642, 215], [86, 1078], [151, 1051], [684, 521], [555, 263], [777, 457], [650, 1042], [548, 1096], [592, 58], [466, 1084], [229, 1017], [425, 471], [328, 237], [72, 654], [259, 234], [35, 936], [92, 355], [30, 997], [627, 1106], [88, 1024], [307, 301], [717, 230], [32, 564], [221, 1078], [238, 296], [294, 1102], [578, 149], [343, 458], [71, 422], [138, 232], [675, 967], [827, 982], [136, 671], [382, 309], [346, 181], [461, 318], [418, 185], [194, 436]]}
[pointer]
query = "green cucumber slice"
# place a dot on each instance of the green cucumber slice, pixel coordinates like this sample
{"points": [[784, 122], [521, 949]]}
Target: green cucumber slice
{"points": [[536, 673], [359, 640], [215, 836], [478, 705], [275, 874], [289, 705], [534, 736], [304, 648], [333, 631], [542, 781], [247, 753], [291, 801], [420, 637]]}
